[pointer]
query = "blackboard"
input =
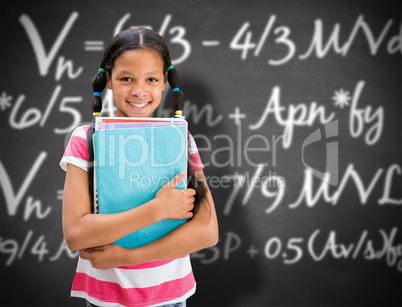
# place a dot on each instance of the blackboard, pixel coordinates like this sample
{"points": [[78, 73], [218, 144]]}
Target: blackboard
{"points": [[278, 94]]}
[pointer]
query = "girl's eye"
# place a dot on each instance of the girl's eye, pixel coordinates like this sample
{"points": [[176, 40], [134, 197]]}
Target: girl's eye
{"points": [[152, 80], [126, 79]]}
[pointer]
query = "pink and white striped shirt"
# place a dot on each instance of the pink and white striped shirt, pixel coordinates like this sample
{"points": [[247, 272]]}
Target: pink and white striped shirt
{"points": [[147, 284]]}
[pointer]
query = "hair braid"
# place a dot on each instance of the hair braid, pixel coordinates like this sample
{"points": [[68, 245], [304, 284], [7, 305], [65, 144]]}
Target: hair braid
{"points": [[178, 102], [177, 97], [98, 85]]}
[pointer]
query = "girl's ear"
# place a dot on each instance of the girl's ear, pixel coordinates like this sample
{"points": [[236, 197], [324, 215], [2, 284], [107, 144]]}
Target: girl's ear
{"points": [[108, 81]]}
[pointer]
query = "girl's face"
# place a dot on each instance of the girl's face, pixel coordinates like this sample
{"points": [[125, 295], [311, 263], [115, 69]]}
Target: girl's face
{"points": [[137, 81]]}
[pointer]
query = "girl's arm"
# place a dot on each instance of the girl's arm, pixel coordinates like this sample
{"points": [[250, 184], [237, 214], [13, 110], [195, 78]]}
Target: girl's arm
{"points": [[200, 232], [82, 229]]}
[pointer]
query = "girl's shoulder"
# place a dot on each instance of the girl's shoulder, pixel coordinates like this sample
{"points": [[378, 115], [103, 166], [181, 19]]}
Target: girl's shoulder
{"points": [[81, 131], [76, 150], [192, 146], [193, 154]]}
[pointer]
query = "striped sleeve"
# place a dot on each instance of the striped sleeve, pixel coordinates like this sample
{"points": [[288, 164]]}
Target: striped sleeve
{"points": [[194, 158], [76, 152]]}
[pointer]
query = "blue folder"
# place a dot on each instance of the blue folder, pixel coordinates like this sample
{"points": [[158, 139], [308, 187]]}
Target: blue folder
{"points": [[132, 164]]}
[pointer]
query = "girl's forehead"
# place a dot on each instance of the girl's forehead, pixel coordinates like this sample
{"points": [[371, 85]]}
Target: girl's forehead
{"points": [[139, 58]]}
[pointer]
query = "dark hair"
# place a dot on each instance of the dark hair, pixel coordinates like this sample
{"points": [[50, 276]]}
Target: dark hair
{"points": [[133, 39]]}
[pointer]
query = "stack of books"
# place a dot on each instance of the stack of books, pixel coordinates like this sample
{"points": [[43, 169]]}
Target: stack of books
{"points": [[134, 158]]}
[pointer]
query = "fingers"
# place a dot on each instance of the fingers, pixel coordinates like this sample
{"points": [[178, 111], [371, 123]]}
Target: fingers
{"points": [[190, 192], [191, 200], [89, 255], [92, 254], [191, 207], [176, 180], [85, 254]]}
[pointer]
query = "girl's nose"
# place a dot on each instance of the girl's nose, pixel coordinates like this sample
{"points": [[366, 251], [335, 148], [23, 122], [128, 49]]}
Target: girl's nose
{"points": [[138, 90]]}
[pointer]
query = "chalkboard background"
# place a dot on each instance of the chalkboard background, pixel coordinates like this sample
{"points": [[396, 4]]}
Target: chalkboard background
{"points": [[272, 88]]}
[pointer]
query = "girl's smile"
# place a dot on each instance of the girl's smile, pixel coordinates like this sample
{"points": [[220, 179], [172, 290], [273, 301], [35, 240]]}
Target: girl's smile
{"points": [[139, 107], [137, 81]]}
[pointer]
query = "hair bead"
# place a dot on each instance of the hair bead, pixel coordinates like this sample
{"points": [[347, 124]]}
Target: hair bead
{"points": [[179, 112], [97, 94], [102, 70], [170, 67], [176, 89], [95, 114]]}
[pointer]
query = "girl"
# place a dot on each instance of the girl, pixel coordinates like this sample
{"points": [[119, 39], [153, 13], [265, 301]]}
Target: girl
{"points": [[135, 66]]}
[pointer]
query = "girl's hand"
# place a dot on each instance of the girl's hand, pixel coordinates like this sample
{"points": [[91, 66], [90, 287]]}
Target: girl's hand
{"points": [[176, 203], [104, 257]]}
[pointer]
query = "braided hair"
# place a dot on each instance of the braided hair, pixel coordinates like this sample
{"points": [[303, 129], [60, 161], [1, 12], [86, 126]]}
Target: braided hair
{"points": [[134, 39]]}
